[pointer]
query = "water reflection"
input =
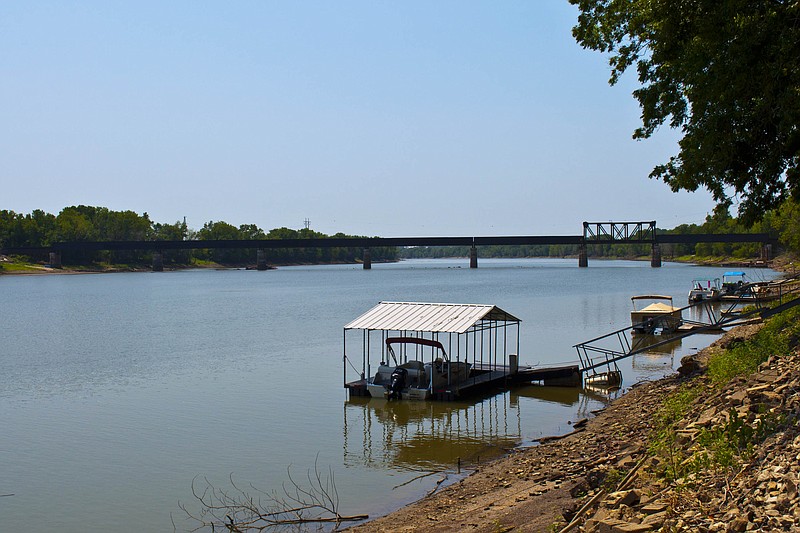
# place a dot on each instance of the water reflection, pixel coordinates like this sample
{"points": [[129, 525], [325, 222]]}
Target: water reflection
{"points": [[428, 436], [585, 399]]}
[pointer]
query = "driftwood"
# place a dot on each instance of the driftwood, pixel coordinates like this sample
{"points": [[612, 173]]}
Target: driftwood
{"points": [[245, 510], [542, 440]]}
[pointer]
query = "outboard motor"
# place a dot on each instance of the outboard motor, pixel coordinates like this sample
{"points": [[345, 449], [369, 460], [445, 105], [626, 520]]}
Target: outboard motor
{"points": [[397, 383]]}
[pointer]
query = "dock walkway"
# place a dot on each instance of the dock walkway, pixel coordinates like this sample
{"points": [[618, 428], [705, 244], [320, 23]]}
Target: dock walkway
{"points": [[498, 378]]}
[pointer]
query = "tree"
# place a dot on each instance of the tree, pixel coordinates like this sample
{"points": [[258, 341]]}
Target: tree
{"points": [[727, 73], [223, 231]]}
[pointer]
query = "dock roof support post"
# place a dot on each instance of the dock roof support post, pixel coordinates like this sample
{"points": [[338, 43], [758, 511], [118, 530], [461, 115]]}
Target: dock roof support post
{"points": [[583, 256], [261, 259], [473, 257], [655, 260], [367, 259], [158, 262]]}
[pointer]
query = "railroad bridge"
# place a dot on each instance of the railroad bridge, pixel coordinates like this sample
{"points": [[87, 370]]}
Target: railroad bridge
{"points": [[594, 233]]}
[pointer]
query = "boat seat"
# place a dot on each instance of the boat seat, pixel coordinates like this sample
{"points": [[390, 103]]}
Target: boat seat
{"points": [[414, 365]]}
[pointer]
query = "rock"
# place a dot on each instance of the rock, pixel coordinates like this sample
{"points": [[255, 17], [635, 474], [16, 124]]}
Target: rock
{"points": [[653, 508], [610, 525], [625, 497], [737, 398]]}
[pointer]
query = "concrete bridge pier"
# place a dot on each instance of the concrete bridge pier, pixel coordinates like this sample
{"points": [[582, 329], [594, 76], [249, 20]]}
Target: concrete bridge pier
{"points": [[473, 257], [655, 259], [55, 259], [367, 259], [583, 256], [261, 259], [158, 262], [766, 252]]}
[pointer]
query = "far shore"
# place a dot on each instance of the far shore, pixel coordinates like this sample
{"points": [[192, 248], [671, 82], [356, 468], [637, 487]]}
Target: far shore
{"points": [[781, 263]]}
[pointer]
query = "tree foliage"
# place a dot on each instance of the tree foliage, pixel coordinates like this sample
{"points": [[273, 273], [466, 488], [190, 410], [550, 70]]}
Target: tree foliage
{"points": [[727, 73], [89, 223]]}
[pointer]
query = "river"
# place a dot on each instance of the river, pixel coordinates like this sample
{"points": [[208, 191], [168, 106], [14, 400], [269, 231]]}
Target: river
{"points": [[117, 391]]}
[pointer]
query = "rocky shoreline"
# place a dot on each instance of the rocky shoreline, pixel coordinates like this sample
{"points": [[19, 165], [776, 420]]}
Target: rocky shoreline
{"points": [[606, 477]]}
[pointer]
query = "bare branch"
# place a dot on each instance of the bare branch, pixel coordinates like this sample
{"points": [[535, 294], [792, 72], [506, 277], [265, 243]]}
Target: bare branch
{"points": [[244, 511]]}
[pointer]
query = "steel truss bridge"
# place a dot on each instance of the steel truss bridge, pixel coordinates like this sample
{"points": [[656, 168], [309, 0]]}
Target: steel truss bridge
{"points": [[594, 233]]}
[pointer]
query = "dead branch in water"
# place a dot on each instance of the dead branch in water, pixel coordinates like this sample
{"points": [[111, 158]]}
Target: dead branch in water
{"points": [[242, 510]]}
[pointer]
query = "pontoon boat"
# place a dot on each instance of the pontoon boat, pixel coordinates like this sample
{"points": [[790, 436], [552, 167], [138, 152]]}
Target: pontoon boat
{"points": [[660, 316]]}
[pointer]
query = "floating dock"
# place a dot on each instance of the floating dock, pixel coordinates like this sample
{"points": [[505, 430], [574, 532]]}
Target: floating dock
{"points": [[484, 380]]}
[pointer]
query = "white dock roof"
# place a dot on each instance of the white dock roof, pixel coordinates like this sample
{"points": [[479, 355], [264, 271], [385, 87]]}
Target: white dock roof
{"points": [[431, 317]]}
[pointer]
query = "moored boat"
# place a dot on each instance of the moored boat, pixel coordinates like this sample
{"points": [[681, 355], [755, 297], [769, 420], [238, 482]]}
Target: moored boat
{"points": [[734, 284], [704, 289], [660, 316], [414, 380]]}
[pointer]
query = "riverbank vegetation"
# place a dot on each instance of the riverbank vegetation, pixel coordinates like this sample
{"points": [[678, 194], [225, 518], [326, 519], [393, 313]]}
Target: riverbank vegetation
{"points": [[88, 223], [726, 446]]}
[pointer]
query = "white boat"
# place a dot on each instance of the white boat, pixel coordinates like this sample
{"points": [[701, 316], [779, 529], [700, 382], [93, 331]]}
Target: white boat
{"points": [[660, 316], [415, 380], [704, 289]]}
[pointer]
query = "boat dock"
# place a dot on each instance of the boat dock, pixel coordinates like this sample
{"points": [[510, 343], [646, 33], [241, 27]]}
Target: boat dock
{"points": [[500, 378], [602, 353]]}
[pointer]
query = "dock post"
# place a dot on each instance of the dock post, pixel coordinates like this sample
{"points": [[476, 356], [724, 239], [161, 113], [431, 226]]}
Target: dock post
{"points": [[367, 259], [55, 259], [655, 260], [158, 262], [261, 259], [583, 256], [473, 257]]}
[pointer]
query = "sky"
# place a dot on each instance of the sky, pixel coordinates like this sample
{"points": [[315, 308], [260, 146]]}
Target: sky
{"points": [[376, 118]]}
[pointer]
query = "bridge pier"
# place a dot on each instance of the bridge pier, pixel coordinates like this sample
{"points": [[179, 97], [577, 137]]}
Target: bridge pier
{"points": [[473, 257], [261, 259], [55, 259], [766, 252], [655, 259], [158, 262], [583, 256], [367, 259]]}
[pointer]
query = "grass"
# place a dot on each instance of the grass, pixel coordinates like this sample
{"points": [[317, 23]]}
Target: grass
{"points": [[724, 447], [666, 443], [778, 336], [13, 266]]}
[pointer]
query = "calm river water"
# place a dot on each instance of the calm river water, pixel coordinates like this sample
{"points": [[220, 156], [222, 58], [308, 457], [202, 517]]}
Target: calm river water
{"points": [[117, 390]]}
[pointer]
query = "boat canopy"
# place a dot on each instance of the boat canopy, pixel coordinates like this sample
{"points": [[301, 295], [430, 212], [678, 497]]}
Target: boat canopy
{"points": [[428, 317], [414, 340], [735, 273], [651, 297]]}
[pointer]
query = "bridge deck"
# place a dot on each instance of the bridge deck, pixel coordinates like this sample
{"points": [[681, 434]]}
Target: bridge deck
{"points": [[373, 242]]}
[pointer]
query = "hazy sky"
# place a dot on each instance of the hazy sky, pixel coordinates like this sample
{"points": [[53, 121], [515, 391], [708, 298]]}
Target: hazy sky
{"points": [[400, 118]]}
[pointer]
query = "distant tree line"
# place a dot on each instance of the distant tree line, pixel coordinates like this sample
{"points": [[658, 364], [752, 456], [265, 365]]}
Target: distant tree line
{"points": [[88, 223], [782, 223]]}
